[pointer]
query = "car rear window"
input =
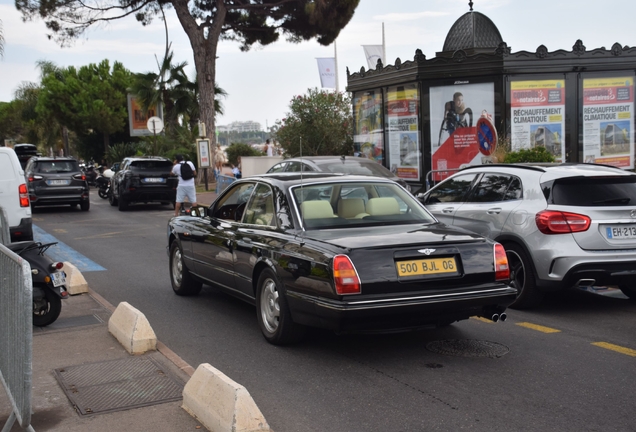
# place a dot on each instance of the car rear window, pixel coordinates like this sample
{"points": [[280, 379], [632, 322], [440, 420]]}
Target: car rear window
{"points": [[358, 167], [147, 165], [594, 191], [56, 167]]}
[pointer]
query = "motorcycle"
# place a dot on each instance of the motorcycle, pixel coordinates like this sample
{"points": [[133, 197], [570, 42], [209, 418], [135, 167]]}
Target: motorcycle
{"points": [[91, 173], [102, 182], [49, 281]]}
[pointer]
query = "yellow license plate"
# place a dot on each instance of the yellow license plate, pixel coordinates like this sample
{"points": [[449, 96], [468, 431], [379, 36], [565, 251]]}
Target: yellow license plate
{"points": [[426, 266]]}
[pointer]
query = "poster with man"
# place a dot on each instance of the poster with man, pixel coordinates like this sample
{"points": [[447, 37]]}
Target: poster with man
{"points": [[538, 116], [368, 138], [608, 116], [455, 110]]}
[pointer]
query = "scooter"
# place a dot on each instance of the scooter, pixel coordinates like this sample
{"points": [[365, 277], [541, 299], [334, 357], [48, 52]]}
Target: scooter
{"points": [[49, 281], [102, 182]]}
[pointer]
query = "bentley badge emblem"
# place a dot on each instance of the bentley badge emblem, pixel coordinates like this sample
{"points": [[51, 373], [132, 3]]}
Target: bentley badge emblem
{"points": [[426, 251]]}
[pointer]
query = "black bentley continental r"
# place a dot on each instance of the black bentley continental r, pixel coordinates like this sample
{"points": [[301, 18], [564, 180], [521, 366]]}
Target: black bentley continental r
{"points": [[346, 253]]}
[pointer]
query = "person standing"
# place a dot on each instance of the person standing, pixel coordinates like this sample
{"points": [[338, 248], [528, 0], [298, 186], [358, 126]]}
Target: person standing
{"points": [[269, 148], [185, 188]]}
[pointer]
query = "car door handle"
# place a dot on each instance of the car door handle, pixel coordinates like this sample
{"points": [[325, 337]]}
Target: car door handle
{"points": [[448, 210], [495, 210]]}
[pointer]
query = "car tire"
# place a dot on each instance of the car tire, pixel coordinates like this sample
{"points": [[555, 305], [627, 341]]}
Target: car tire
{"points": [[123, 204], [111, 199], [629, 291], [85, 205], [183, 283], [272, 312], [522, 278]]}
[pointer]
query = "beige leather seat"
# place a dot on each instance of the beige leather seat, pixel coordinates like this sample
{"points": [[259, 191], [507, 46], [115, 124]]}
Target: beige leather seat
{"points": [[351, 208], [383, 206], [316, 209]]}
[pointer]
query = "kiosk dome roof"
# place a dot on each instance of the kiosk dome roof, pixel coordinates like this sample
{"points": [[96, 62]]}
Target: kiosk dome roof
{"points": [[472, 31]]}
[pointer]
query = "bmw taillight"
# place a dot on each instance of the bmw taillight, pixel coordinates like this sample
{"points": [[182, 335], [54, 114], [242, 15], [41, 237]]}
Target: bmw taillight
{"points": [[502, 269], [558, 222], [24, 195], [345, 276]]}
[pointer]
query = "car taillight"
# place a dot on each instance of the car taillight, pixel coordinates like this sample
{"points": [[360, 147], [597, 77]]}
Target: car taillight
{"points": [[557, 222], [502, 270], [34, 178], [81, 177], [345, 276], [24, 195]]}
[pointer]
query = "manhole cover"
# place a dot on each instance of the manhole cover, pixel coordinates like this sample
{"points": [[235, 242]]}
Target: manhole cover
{"points": [[468, 348], [117, 385]]}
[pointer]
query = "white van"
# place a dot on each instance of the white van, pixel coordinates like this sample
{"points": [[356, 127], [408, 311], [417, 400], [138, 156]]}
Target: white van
{"points": [[14, 196]]}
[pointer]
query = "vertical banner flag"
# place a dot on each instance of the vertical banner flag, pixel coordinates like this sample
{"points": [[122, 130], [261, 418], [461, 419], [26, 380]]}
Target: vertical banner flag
{"points": [[327, 70], [373, 53]]}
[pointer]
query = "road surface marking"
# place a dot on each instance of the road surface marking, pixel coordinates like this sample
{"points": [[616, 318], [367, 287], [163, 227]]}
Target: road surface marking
{"points": [[482, 319], [62, 252], [617, 348], [538, 327]]}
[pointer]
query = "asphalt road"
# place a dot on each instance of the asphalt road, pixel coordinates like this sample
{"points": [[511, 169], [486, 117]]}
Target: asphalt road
{"points": [[569, 366]]}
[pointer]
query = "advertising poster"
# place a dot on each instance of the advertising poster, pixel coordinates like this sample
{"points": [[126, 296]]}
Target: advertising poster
{"points": [[368, 136], [454, 113], [203, 151], [403, 131], [138, 120], [538, 116], [608, 116]]}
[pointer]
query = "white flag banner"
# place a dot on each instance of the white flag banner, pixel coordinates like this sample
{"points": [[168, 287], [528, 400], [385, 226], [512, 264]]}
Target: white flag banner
{"points": [[373, 53], [327, 70]]}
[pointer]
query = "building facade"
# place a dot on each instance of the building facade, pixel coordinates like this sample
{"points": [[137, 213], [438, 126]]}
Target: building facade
{"points": [[424, 116]]}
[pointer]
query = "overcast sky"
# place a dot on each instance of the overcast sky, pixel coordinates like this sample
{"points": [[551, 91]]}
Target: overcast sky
{"points": [[261, 82]]}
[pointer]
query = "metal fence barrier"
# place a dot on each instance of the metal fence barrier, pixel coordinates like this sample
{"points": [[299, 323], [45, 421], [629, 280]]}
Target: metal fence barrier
{"points": [[16, 333], [5, 235], [435, 176], [222, 182]]}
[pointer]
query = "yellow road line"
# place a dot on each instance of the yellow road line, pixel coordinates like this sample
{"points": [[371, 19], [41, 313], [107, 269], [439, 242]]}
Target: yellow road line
{"points": [[617, 348], [538, 327], [486, 320]]}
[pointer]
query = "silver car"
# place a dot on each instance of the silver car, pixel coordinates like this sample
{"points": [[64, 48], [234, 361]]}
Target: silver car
{"points": [[561, 225]]}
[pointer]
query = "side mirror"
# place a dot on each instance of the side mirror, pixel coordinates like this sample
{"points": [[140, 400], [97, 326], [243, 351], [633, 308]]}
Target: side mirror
{"points": [[199, 211]]}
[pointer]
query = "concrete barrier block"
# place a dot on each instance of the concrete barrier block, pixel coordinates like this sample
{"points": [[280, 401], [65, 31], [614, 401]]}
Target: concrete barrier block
{"points": [[75, 282], [131, 328], [221, 404]]}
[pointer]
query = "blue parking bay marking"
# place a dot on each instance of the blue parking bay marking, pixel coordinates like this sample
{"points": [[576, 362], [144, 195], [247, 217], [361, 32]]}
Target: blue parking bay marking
{"points": [[63, 252]]}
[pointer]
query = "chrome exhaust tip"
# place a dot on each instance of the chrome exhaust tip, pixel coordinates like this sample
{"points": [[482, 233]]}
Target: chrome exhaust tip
{"points": [[503, 317], [585, 282], [494, 317]]}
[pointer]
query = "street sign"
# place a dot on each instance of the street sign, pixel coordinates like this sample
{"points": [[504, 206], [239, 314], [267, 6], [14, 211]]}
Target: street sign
{"points": [[486, 136], [155, 125]]}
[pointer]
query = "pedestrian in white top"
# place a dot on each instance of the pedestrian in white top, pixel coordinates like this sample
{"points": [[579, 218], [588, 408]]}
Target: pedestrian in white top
{"points": [[269, 147], [185, 188]]}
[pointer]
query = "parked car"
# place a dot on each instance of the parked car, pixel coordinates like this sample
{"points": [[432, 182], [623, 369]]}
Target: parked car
{"points": [[376, 262], [25, 152], [143, 180], [14, 197], [338, 164], [56, 181], [562, 225]]}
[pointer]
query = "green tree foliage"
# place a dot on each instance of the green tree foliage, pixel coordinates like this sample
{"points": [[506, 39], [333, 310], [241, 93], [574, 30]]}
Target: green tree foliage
{"points": [[205, 22], [322, 121], [536, 154], [89, 100], [240, 149]]}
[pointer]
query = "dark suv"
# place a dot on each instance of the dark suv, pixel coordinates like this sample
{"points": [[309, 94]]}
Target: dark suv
{"points": [[143, 180], [56, 181]]}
